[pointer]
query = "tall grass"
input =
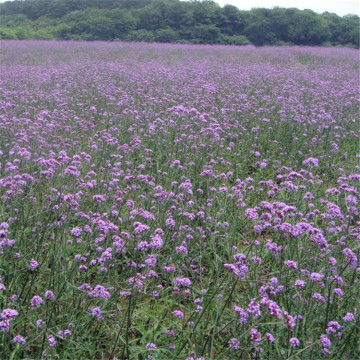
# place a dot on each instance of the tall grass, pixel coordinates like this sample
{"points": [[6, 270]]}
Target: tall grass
{"points": [[178, 202]]}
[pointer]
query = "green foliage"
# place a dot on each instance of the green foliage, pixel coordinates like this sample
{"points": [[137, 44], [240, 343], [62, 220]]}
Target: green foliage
{"points": [[232, 21], [6, 33], [260, 31], [235, 40], [207, 34], [166, 35], [174, 21], [308, 28], [141, 35]]}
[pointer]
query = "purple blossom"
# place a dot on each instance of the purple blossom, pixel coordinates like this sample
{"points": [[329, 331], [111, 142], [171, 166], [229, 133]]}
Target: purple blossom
{"points": [[76, 231], [255, 336], [51, 340], [294, 342], [300, 284], [181, 281], [349, 317], [270, 338], [99, 291], [254, 308], [49, 295], [36, 301], [179, 314], [150, 346], [311, 162], [18, 339], [319, 297], [325, 341], [7, 314], [33, 264], [291, 264], [351, 257], [234, 344], [5, 326]]}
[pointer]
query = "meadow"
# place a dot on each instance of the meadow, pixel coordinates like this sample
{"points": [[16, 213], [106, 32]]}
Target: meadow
{"points": [[178, 202]]}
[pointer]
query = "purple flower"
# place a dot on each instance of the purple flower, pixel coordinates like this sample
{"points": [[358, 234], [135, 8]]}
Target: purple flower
{"points": [[317, 277], [76, 231], [33, 264], [99, 292], [143, 245], [181, 282], [325, 341], [351, 257], [311, 162], [49, 295], [150, 346], [294, 342], [234, 344], [254, 308], [269, 338], [5, 325], [51, 340], [18, 339], [300, 284], [349, 317], [255, 336], [291, 264], [333, 327], [156, 242], [274, 309], [243, 314], [95, 311], [170, 223], [7, 314], [319, 297], [179, 314], [338, 292], [36, 301], [290, 321], [140, 228]]}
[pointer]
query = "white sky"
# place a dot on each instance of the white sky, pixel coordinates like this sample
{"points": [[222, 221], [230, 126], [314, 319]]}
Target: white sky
{"points": [[340, 7]]}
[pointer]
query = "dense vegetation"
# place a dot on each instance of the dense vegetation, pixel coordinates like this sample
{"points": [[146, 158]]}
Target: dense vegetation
{"points": [[172, 202], [203, 22]]}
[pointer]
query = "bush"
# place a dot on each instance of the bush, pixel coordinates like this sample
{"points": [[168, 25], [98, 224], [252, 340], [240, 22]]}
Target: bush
{"points": [[235, 40], [8, 34], [166, 35], [141, 35]]}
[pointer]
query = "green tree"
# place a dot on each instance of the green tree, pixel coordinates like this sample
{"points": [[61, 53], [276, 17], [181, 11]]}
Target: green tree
{"points": [[122, 21], [232, 21], [151, 17], [6, 33], [206, 34], [260, 30], [166, 35], [173, 20], [308, 28], [141, 35], [205, 12], [177, 15]]}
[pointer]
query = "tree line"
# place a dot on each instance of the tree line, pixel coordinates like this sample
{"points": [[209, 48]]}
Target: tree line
{"points": [[200, 22]]}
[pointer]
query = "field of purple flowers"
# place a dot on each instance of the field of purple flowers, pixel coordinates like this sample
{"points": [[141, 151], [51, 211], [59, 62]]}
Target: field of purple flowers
{"points": [[178, 202]]}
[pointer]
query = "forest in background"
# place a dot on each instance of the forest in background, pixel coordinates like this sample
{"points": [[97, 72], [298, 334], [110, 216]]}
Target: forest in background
{"points": [[174, 21]]}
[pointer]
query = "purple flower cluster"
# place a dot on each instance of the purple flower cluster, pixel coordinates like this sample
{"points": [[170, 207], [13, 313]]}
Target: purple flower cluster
{"points": [[182, 201]]}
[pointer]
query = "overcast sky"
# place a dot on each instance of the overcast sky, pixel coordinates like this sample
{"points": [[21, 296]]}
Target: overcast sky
{"points": [[340, 7]]}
